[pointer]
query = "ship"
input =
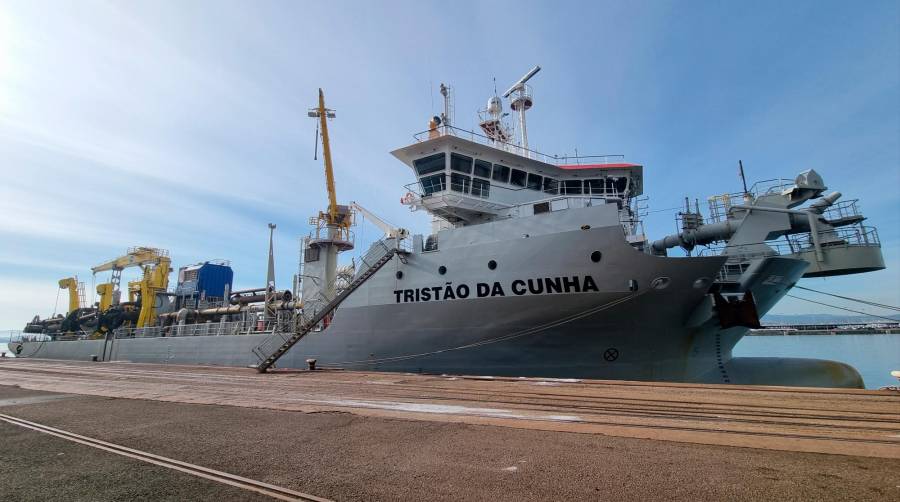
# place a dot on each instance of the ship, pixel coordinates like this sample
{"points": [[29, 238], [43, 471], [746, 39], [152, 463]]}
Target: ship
{"points": [[536, 265]]}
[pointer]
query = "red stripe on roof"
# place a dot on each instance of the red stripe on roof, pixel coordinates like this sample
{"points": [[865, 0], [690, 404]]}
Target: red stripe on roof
{"points": [[597, 166]]}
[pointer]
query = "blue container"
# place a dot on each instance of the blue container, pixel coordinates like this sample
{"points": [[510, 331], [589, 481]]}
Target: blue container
{"points": [[204, 280], [212, 279]]}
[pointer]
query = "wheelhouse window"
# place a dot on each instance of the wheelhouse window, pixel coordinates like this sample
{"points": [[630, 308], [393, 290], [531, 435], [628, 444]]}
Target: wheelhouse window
{"points": [[481, 188], [551, 186], [460, 163], [483, 169], [517, 178], [594, 186], [501, 173], [430, 164], [571, 187], [535, 181], [434, 183], [460, 182], [610, 185]]}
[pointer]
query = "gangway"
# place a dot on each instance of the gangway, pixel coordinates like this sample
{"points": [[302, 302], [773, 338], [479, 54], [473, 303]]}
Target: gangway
{"points": [[279, 343]]}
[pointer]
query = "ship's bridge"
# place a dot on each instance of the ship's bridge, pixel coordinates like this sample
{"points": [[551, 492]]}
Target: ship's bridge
{"points": [[465, 178]]}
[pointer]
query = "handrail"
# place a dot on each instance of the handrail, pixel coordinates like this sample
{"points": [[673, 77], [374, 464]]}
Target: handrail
{"points": [[448, 130]]}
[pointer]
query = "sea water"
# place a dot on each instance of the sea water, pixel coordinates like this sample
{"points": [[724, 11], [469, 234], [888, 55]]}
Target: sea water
{"points": [[874, 356]]}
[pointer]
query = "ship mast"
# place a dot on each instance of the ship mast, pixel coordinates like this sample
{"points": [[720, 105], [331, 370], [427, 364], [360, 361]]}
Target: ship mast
{"points": [[521, 100]]}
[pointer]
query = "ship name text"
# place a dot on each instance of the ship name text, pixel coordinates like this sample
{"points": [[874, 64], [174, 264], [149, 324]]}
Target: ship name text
{"points": [[518, 287]]}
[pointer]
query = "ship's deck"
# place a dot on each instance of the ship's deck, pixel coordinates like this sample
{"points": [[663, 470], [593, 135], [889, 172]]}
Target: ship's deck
{"points": [[357, 435]]}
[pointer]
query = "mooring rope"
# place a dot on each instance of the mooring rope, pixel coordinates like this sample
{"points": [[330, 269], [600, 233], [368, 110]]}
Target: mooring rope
{"points": [[842, 308], [864, 302]]}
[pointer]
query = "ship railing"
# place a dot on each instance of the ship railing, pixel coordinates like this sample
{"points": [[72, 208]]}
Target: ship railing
{"points": [[771, 186], [739, 256], [136, 249], [17, 335], [553, 204], [446, 130], [842, 210], [720, 205], [746, 252], [247, 327], [849, 236], [343, 233]]}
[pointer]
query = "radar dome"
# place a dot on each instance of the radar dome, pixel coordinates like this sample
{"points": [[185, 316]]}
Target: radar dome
{"points": [[494, 106]]}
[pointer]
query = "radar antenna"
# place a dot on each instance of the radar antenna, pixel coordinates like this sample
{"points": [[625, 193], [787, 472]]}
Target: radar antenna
{"points": [[521, 99]]}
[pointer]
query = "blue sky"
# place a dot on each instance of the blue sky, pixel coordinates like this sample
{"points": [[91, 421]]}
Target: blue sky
{"points": [[183, 125]]}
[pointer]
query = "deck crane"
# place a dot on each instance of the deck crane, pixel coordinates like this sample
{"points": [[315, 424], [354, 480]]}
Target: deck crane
{"points": [[390, 230], [76, 292], [156, 268], [320, 251], [336, 216], [332, 227]]}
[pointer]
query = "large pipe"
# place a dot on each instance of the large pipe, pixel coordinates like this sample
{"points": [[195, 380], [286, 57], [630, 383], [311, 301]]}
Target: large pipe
{"points": [[820, 205], [229, 310], [245, 291], [258, 298], [801, 220], [700, 236]]}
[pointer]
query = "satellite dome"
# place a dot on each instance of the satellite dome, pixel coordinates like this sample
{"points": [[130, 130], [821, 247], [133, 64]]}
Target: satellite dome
{"points": [[494, 106]]}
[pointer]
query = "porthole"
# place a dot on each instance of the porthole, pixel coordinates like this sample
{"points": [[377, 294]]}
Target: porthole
{"points": [[660, 283], [442, 270], [492, 265], [595, 256], [399, 274]]}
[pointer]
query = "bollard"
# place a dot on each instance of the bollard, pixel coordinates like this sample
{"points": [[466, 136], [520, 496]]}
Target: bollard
{"points": [[93, 357], [312, 364], [2, 354]]}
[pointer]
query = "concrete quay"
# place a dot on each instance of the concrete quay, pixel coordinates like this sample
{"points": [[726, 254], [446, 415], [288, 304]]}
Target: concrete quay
{"points": [[386, 436]]}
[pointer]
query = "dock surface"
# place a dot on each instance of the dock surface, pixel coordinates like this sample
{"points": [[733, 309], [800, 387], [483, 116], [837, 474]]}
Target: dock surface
{"points": [[388, 436]]}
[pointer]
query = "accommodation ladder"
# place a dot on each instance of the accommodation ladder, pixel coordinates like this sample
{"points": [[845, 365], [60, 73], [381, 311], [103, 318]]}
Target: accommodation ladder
{"points": [[270, 350]]}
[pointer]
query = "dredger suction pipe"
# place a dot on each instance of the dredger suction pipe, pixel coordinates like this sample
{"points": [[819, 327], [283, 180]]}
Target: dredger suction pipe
{"points": [[805, 220]]}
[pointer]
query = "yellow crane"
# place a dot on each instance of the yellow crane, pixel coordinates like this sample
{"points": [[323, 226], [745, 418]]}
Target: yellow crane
{"points": [[339, 217], [107, 292], [156, 268], [75, 292]]}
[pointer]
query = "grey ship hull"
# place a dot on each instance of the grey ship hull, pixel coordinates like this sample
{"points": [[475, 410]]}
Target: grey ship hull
{"points": [[624, 328]]}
